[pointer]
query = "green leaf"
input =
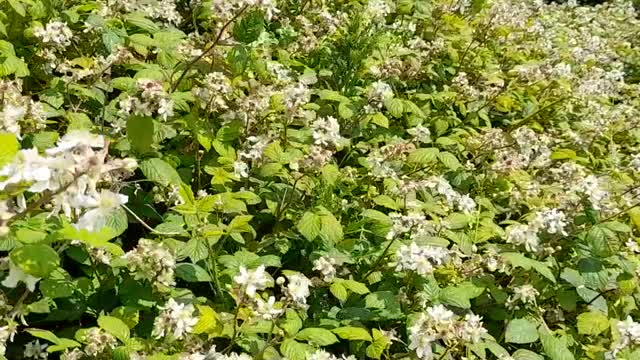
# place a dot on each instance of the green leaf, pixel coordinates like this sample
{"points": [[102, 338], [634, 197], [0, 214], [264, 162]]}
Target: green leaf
{"points": [[562, 154], [294, 350], [352, 333], [346, 110], [18, 7], [63, 344], [339, 291], [519, 260], [354, 286], [523, 354], [379, 345], [592, 323], [291, 322], [159, 171], [554, 347], [37, 260], [44, 334], [140, 133], [521, 331], [380, 120], [449, 160], [423, 156], [395, 107], [208, 321], [240, 224], [310, 225], [331, 229], [138, 19], [8, 148], [249, 28], [330, 173], [192, 273], [115, 327], [460, 295], [317, 336]]}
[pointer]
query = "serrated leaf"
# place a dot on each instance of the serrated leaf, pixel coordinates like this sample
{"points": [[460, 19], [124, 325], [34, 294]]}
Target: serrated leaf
{"points": [[140, 133], [291, 322], [294, 350], [519, 260], [354, 286], [44, 334], [592, 323], [379, 345], [310, 225], [460, 295], [423, 156], [159, 171], [208, 321], [449, 160], [555, 348], [521, 331], [523, 354], [115, 327], [36, 260], [352, 333], [395, 107], [339, 291], [192, 273], [317, 336]]}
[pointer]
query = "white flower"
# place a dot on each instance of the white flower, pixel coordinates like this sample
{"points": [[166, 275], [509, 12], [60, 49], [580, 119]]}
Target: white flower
{"points": [[165, 108], [466, 204], [56, 33], [553, 221], [241, 169], [36, 350], [298, 288], [326, 131], [421, 259], [522, 235], [525, 293], [326, 266], [77, 139], [266, 309], [102, 212], [98, 341], [28, 167], [16, 275], [252, 281], [176, 319], [152, 261], [421, 134]]}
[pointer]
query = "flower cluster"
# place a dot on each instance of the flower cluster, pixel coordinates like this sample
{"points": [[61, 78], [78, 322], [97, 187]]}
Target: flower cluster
{"points": [[438, 324], [421, 259], [153, 262], [176, 320]]}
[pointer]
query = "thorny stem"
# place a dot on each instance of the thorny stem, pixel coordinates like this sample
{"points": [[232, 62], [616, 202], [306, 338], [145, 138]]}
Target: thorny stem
{"points": [[147, 226], [235, 326], [207, 50], [379, 260]]}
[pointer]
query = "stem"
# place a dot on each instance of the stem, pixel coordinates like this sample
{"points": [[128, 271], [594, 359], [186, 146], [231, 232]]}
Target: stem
{"points": [[379, 260], [207, 50], [147, 226]]}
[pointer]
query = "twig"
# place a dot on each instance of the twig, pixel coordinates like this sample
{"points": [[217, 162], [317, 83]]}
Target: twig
{"points": [[207, 50], [147, 226]]}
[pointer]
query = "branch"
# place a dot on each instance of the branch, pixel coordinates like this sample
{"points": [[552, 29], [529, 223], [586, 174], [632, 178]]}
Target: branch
{"points": [[207, 50]]}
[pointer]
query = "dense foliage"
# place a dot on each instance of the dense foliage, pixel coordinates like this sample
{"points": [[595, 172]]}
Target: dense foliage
{"points": [[308, 179]]}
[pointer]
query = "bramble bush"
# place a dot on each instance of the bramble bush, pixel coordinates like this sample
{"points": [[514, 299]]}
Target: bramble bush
{"points": [[321, 180]]}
